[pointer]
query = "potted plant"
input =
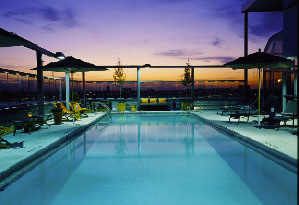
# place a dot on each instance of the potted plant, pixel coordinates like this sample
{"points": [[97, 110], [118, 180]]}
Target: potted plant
{"points": [[186, 81], [120, 77], [133, 107], [57, 112]]}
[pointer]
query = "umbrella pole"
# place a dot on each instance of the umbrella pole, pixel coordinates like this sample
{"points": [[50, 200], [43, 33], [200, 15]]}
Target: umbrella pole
{"points": [[259, 98], [73, 98]]}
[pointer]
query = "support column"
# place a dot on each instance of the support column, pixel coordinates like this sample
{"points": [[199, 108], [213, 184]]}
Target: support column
{"points": [[296, 79], [265, 85], [284, 91], [67, 90], [20, 88], [40, 84], [295, 83], [246, 53], [28, 88], [192, 84], [138, 88], [60, 91], [83, 78]]}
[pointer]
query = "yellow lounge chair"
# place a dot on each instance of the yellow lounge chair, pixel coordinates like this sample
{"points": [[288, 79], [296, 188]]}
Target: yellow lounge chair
{"points": [[76, 106], [5, 131], [67, 114]]}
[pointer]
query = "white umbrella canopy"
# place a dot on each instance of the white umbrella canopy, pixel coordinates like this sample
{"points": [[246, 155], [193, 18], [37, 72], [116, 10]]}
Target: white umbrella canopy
{"points": [[259, 60], [71, 65]]}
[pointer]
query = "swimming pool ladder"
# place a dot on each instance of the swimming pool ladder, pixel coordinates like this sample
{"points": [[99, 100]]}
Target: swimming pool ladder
{"points": [[105, 106], [200, 103], [190, 106]]}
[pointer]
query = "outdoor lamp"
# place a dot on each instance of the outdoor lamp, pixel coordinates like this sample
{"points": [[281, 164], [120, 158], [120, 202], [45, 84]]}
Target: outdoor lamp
{"points": [[59, 55], [29, 114], [147, 65]]}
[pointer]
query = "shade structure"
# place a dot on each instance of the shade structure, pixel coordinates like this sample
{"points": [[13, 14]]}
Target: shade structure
{"points": [[71, 65], [8, 39], [259, 60]]}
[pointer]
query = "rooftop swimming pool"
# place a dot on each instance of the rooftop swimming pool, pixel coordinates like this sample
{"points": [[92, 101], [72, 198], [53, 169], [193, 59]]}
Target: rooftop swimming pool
{"points": [[154, 159]]}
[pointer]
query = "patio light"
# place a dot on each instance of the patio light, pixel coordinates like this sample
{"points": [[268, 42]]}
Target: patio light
{"points": [[59, 55]]}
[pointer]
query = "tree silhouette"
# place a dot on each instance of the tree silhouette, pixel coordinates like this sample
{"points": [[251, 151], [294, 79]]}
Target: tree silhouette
{"points": [[186, 81], [119, 77]]}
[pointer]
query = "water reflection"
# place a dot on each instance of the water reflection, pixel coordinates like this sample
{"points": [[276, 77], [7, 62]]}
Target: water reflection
{"points": [[188, 141], [121, 145]]}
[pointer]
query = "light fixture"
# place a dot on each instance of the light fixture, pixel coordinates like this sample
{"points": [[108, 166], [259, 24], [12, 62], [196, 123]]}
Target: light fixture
{"points": [[292, 57], [147, 65], [59, 55], [29, 114], [279, 80]]}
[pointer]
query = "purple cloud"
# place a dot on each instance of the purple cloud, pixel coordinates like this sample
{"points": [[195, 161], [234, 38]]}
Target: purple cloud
{"points": [[217, 42], [171, 53], [266, 24], [221, 59], [50, 15], [261, 24]]}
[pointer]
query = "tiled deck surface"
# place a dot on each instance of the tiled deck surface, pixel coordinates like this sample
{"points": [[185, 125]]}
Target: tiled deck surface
{"points": [[284, 141]]}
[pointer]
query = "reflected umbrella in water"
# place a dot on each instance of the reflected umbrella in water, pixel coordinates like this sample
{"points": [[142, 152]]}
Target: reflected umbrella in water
{"points": [[259, 60], [71, 65]]}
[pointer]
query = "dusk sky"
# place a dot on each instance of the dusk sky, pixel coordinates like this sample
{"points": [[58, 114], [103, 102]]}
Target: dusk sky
{"points": [[158, 32]]}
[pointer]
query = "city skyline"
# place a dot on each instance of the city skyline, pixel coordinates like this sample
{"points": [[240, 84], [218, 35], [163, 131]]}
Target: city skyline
{"points": [[156, 32]]}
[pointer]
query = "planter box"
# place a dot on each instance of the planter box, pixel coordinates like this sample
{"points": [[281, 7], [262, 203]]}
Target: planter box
{"points": [[185, 105], [121, 106], [57, 117], [133, 108]]}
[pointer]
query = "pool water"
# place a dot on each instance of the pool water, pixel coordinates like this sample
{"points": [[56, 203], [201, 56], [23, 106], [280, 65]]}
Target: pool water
{"points": [[154, 159]]}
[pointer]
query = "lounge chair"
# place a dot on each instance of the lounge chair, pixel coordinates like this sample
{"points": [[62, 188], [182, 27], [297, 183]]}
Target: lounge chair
{"points": [[239, 108], [42, 120], [67, 114], [290, 113], [269, 103], [76, 106], [5, 131]]}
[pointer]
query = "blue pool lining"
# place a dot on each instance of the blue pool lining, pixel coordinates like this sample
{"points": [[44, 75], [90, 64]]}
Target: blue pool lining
{"points": [[16, 171]]}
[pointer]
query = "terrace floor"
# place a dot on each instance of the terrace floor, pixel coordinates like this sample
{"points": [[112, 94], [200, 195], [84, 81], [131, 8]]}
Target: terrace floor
{"points": [[282, 143]]}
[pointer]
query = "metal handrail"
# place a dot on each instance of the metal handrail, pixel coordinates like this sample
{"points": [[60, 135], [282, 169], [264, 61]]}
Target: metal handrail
{"points": [[192, 105], [105, 106]]}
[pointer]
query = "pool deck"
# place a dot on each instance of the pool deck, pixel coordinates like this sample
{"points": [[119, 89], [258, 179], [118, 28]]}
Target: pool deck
{"points": [[29, 147], [282, 143]]}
